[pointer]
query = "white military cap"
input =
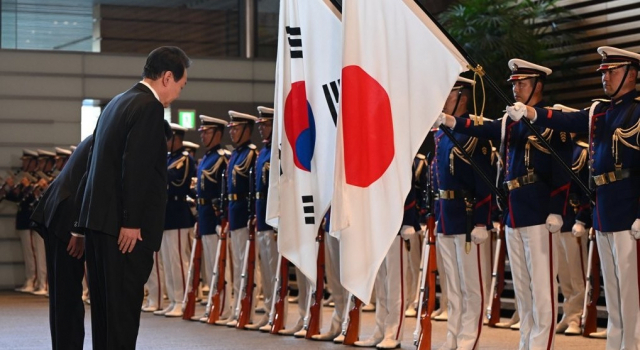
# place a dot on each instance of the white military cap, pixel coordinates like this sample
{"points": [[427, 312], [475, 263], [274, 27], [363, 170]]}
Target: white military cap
{"points": [[45, 154], [207, 122], [178, 129], [191, 145], [62, 152], [27, 153], [266, 114], [462, 83], [521, 70], [238, 118], [613, 58]]}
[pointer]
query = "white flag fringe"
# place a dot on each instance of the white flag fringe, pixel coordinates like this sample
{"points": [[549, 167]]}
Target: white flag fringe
{"points": [[398, 69], [308, 69]]}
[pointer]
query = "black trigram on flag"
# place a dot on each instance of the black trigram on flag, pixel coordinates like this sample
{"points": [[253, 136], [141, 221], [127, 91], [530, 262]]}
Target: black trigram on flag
{"points": [[332, 95], [307, 205], [295, 41]]}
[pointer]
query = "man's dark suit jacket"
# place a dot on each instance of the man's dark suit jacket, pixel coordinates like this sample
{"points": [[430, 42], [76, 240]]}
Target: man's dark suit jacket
{"points": [[127, 176], [59, 207]]}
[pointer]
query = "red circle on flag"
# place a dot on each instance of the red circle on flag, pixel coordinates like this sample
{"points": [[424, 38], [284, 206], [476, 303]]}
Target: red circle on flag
{"points": [[367, 127]]}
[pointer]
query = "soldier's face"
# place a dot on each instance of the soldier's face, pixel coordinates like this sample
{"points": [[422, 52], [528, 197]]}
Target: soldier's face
{"points": [[611, 80], [522, 89], [236, 132], [265, 130], [450, 103]]}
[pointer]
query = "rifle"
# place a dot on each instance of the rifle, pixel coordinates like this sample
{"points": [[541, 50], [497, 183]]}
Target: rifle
{"points": [[315, 310], [497, 279], [244, 307], [589, 311], [193, 278], [217, 287], [428, 292], [218, 283], [351, 324], [279, 307]]}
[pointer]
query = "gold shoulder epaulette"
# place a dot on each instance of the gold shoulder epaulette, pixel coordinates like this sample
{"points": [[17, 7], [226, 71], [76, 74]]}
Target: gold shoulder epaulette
{"points": [[185, 153], [252, 146], [421, 156], [221, 152], [637, 99], [178, 163], [601, 100]]}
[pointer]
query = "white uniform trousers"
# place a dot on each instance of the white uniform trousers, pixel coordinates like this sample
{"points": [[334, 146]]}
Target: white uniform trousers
{"points": [[412, 272], [41, 262], [268, 250], [338, 293], [209, 257], [176, 252], [534, 270], [29, 256], [238, 239], [156, 284], [466, 274], [442, 279], [572, 267], [619, 258], [487, 249], [391, 296]]}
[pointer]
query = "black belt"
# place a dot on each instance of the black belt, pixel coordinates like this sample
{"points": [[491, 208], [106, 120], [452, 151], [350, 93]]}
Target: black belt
{"points": [[177, 198], [454, 194], [521, 181], [613, 176], [238, 196]]}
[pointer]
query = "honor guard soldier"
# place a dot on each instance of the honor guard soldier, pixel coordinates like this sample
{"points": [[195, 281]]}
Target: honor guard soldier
{"points": [[265, 237], [613, 127], [465, 208], [175, 248], [537, 192], [238, 179], [209, 188], [17, 194]]}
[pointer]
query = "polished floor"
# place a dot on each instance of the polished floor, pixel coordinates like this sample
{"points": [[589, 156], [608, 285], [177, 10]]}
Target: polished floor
{"points": [[24, 325]]}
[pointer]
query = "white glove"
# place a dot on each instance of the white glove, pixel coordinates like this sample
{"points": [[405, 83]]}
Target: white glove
{"points": [[218, 229], [554, 223], [479, 234], [439, 121], [578, 229], [635, 229], [407, 232], [517, 111]]}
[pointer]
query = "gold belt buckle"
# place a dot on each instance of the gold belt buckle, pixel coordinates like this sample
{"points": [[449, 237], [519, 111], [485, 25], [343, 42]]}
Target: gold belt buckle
{"points": [[259, 196], [612, 176], [513, 184], [599, 180], [233, 196], [447, 194]]}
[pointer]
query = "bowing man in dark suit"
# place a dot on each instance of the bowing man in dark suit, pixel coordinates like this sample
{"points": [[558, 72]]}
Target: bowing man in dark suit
{"points": [[54, 219], [125, 195]]}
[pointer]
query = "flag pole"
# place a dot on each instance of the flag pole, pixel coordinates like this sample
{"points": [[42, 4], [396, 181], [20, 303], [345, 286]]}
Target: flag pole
{"points": [[474, 66]]}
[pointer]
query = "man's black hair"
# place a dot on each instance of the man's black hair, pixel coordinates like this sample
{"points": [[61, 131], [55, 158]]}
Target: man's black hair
{"points": [[166, 58]]}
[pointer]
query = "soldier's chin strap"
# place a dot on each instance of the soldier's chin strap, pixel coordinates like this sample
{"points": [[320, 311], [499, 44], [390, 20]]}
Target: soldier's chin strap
{"points": [[626, 72], [215, 130], [457, 102], [533, 90], [173, 140]]}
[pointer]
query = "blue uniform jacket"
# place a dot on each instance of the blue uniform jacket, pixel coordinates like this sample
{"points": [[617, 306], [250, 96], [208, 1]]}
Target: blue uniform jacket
{"points": [[242, 159], [209, 188], [452, 173], [531, 204], [616, 203], [262, 186], [180, 169]]}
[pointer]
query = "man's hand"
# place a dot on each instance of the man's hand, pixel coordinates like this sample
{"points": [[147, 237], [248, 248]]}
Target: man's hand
{"points": [[127, 239], [76, 247], [479, 234], [578, 229], [554, 223], [517, 111], [635, 229], [407, 232]]}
